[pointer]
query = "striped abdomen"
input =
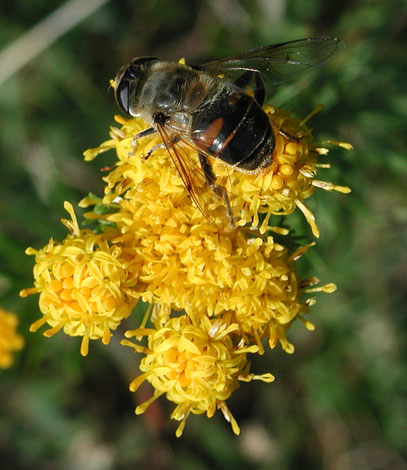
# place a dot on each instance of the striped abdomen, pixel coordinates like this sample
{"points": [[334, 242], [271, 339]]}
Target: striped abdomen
{"points": [[233, 127]]}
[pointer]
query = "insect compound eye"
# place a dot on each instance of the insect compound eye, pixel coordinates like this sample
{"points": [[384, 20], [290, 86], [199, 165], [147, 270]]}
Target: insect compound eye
{"points": [[128, 79], [123, 96]]}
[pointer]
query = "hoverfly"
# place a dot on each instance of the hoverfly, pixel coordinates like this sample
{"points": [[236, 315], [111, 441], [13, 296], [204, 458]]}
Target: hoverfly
{"points": [[207, 107]]}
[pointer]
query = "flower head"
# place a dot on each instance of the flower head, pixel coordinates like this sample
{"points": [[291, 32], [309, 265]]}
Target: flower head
{"points": [[197, 366], [206, 273], [82, 285], [10, 340]]}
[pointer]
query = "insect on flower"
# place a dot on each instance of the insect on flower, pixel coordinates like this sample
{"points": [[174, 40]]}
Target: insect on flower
{"points": [[215, 109]]}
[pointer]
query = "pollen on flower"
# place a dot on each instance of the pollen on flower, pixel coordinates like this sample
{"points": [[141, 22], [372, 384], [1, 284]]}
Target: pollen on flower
{"points": [[81, 283], [10, 340], [195, 268], [197, 366]]}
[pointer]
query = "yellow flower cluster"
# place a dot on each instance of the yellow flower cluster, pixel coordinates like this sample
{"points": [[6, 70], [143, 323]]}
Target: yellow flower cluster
{"points": [[196, 366], [82, 285], [216, 292], [10, 340]]}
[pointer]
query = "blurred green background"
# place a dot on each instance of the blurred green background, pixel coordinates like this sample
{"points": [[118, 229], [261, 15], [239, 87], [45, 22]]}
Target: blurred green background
{"points": [[339, 402]]}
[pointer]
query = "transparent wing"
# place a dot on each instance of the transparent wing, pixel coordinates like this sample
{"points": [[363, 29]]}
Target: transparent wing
{"points": [[278, 63], [209, 204]]}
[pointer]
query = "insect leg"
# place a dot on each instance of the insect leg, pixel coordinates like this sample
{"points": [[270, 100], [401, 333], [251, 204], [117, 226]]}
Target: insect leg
{"points": [[289, 136], [145, 133], [259, 90], [153, 149], [217, 189], [140, 135]]}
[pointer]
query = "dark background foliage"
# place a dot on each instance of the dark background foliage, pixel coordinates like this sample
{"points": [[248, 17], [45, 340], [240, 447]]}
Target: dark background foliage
{"points": [[339, 402]]}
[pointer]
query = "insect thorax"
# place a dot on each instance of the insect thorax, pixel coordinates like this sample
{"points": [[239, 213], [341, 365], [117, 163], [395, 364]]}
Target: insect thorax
{"points": [[172, 88]]}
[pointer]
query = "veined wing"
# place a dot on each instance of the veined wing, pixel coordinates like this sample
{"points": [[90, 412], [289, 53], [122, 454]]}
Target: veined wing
{"points": [[277, 63]]}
